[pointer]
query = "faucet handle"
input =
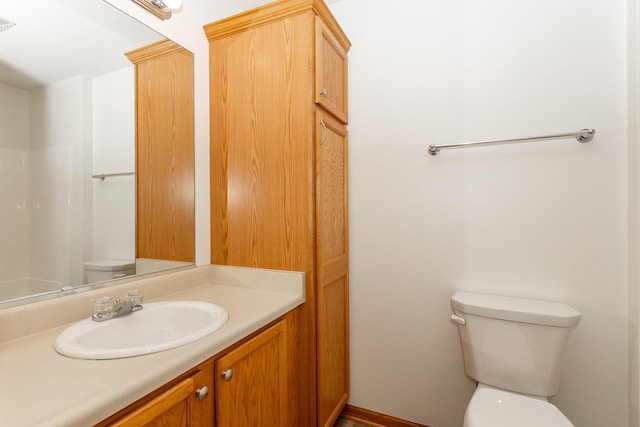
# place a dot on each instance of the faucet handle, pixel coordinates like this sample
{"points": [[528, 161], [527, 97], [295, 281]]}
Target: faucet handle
{"points": [[134, 294], [103, 305], [134, 297]]}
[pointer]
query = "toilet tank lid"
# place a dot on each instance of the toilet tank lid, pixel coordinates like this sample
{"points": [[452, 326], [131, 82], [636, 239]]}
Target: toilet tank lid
{"points": [[109, 265], [516, 309]]}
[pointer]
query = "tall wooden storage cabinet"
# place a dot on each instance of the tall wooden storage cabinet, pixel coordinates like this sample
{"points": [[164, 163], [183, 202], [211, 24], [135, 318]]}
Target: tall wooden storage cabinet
{"points": [[279, 176], [165, 216]]}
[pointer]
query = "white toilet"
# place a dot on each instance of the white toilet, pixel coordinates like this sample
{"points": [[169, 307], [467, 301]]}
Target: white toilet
{"points": [[513, 348], [107, 269]]}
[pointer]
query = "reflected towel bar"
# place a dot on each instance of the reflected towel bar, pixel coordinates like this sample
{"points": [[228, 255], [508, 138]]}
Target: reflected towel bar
{"points": [[102, 176], [585, 135]]}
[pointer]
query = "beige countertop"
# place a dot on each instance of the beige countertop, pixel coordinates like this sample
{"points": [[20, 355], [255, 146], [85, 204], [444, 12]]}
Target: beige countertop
{"points": [[39, 387]]}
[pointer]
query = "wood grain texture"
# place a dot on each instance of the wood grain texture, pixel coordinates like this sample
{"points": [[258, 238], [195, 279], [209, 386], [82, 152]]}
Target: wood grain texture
{"points": [[265, 168], [332, 254], [262, 212], [153, 50], [274, 12], [343, 422], [165, 216], [170, 407], [375, 419], [257, 393], [331, 72], [260, 147], [173, 405]]}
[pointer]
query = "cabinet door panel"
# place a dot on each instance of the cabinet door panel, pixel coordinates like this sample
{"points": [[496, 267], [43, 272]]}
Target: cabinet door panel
{"points": [[331, 72], [165, 218], [333, 358], [255, 392], [177, 406], [169, 406], [260, 139], [333, 266]]}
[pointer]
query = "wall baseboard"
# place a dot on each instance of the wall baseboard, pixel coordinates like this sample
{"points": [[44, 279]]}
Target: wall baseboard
{"points": [[375, 419]]}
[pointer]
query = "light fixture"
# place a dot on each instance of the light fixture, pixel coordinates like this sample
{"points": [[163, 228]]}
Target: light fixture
{"points": [[161, 8], [173, 4]]}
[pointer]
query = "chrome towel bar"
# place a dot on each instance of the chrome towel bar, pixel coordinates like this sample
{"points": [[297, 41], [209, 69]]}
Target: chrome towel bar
{"points": [[102, 176], [585, 135]]}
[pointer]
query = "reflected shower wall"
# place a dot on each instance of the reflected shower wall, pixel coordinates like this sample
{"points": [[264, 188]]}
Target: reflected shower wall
{"points": [[34, 231], [20, 288], [49, 213], [14, 226], [53, 215], [42, 143]]}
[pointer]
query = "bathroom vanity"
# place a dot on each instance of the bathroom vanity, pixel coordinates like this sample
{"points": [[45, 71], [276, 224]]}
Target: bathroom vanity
{"points": [[40, 387], [244, 386]]}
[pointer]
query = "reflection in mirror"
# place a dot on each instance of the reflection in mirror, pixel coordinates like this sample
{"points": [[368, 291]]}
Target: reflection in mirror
{"points": [[67, 112]]}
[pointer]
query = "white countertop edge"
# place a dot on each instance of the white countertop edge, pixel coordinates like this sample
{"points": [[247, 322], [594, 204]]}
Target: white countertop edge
{"points": [[84, 392], [276, 280]]}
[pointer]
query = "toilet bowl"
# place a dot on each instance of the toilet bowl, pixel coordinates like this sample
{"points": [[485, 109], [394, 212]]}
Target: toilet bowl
{"points": [[493, 407], [513, 348]]}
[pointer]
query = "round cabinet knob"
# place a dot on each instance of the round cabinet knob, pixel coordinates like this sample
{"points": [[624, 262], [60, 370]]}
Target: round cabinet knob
{"points": [[202, 392], [227, 374], [324, 92]]}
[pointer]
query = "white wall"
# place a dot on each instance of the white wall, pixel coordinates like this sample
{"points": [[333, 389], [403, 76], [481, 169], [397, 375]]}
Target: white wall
{"points": [[633, 54], [60, 117], [543, 219], [52, 140], [14, 144], [49, 234], [546, 219], [14, 117], [114, 152]]}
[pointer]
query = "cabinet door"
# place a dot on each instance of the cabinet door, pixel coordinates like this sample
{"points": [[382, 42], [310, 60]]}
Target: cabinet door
{"points": [[331, 72], [165, 218], [332, 257], [251, 382], [185, 404], [260, 138]]}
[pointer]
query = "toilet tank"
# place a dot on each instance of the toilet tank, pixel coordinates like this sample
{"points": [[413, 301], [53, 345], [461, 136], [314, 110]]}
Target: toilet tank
{"points": [[107, 269], [512, 343]]}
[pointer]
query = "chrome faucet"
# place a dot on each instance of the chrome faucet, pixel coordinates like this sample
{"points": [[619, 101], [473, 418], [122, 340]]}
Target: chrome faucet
{"points": [[106, 308]]}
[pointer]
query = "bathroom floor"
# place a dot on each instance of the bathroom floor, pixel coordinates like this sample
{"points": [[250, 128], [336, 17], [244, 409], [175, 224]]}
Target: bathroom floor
{"points": [[348, 423]]}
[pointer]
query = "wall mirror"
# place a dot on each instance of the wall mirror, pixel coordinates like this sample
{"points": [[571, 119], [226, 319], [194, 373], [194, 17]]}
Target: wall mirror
{"points": [[67, 117]]}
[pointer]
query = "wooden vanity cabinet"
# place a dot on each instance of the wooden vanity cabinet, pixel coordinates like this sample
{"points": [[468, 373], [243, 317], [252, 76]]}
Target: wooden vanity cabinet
{"points": [[184, 402], [251, 382], [278, 82], [165, 216], [247, 386]]}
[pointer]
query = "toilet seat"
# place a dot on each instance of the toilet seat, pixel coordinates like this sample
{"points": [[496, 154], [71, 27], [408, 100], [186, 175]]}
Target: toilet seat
{"points": [[493, 407]]}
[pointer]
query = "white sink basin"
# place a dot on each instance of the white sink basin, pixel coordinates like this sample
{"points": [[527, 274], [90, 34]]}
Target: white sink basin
{"points": [[157, 327]]}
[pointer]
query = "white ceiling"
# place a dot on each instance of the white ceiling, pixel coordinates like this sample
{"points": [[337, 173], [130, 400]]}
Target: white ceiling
{"points": [[57, 39]]}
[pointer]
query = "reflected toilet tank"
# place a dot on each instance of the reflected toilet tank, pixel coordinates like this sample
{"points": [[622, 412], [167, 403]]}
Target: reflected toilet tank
{"points": [[107, 269]]}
